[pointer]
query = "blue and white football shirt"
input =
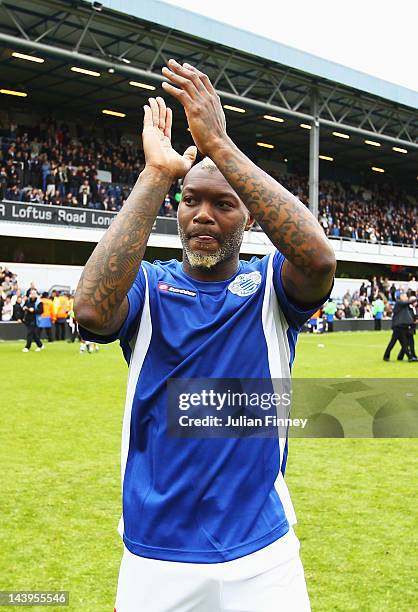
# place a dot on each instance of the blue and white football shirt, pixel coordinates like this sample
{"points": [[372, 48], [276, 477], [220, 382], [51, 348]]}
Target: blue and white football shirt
{"points": [[202, 500]]}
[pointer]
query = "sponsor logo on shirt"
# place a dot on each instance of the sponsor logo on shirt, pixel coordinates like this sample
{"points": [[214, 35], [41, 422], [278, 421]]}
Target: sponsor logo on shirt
{"points": [[245, 284], [178, 290]]}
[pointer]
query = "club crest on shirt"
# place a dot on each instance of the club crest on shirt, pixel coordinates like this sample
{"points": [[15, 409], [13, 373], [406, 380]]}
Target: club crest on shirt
{"points": [[245, 284]]}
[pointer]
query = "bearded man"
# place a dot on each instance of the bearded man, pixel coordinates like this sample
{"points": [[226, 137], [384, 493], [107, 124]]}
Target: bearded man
{"points": [[206, 522]]}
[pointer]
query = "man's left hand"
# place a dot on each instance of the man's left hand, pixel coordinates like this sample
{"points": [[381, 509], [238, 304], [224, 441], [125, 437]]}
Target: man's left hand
{"points": [[201, 104]]}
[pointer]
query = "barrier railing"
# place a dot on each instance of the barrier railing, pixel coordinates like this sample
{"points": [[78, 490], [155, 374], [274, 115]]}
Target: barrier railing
{"points": [[68, 216]]}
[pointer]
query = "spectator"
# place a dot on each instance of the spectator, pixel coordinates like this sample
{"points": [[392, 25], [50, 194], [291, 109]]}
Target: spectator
{"points": [[45, 168], [17, 293], [35, 196], [18, 312], [32, 308], [378, 308], [3, 183], [34, 170], [363, 289], [45, 319], [84, 194], [32, 287], [7, 309], [386, 287], [164, 206], [61, 307], [7, 284], [13, 194], [50, 185], [368, 312], [413, 285], [330, 309], [62, 181], [355, 309]]}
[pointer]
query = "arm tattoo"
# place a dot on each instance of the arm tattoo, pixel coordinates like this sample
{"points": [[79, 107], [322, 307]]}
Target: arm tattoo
{"points": [[114, 263], [286, 221]]}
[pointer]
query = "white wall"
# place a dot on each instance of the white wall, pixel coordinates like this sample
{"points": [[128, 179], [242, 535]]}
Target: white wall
{"points": [[45, 275]]}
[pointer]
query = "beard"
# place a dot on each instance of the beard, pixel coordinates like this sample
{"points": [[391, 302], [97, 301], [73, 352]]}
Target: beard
{"points": [[229, 246]]}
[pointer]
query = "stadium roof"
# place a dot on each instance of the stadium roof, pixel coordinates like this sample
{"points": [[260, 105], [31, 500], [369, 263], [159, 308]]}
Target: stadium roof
{"points": [[122, 47], [180, 19]]}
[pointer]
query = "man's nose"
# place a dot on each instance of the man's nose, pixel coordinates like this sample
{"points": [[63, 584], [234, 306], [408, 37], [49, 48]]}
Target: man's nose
{"points": [[204, 213]]}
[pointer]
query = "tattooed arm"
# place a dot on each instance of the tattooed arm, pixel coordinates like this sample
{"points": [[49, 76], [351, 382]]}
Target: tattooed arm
{"points": [[100, 304], [310, 261], [309, 267]]}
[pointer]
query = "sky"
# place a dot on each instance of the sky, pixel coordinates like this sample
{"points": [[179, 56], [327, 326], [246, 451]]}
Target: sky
{"points": [[378, 37]]}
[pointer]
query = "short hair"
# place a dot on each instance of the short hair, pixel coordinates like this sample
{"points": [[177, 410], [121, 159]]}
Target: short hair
{"points": [[208, 164]]}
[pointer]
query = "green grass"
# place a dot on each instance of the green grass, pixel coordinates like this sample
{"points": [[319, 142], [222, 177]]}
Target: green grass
{"points": [[60, 497]]}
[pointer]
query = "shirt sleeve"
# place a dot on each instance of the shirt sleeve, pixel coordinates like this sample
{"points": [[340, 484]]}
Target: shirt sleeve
{"points": [[296, 315], [136, 297]]}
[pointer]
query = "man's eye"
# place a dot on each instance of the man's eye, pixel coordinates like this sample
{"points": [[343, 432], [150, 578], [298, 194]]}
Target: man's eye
{"points": [[224, 205], [188, 200]]}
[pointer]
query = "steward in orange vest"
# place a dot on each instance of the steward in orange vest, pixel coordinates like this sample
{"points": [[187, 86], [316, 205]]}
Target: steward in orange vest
{"points": [[46, 318]]}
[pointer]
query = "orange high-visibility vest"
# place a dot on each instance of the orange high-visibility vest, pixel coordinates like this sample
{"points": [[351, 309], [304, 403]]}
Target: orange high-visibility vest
{"points": [[61, 306], [47, 308]]}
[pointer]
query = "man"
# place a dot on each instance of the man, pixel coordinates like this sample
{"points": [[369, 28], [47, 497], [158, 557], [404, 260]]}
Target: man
{"points": [[413, 285], [84, 194], [411, 332], [31, 288], [51, 181], [32, 309], [206, 522], [13, 194], [402, 321], [18, 312], [61, 306], [62, 181]]}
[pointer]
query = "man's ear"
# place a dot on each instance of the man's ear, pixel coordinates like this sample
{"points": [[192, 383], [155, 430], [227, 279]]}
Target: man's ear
{"points": [[250, 222]]}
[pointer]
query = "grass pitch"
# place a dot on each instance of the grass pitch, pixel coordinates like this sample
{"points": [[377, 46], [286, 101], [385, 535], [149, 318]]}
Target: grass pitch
{"points": [[60, 495]]}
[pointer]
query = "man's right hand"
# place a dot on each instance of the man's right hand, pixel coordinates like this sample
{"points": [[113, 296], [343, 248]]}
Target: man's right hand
{"points": [[156, 138]]}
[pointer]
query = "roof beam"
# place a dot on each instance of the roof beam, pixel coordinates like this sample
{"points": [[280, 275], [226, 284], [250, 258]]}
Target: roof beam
{"points": [[131, 71]]}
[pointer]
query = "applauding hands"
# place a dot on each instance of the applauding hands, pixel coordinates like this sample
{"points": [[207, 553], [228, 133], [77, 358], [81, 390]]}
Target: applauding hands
{"points": [[156, 137], [201, 104]]}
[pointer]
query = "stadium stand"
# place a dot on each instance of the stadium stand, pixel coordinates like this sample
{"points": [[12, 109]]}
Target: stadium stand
{"points": [[60, 169]]}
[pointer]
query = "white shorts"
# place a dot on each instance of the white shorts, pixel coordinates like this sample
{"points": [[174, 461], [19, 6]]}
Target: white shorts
{"points": [[269, 580]]}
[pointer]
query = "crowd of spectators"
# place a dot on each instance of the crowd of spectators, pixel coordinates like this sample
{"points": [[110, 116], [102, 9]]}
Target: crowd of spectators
{"points": [[63, 170], [356, 304], [11, 296], [55, 309], [384, 215], [60, 168], [359, 304]]}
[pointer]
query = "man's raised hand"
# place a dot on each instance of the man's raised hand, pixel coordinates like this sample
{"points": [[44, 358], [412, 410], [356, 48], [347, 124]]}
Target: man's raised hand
{"points": [[201, 104], [156, 138]]}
